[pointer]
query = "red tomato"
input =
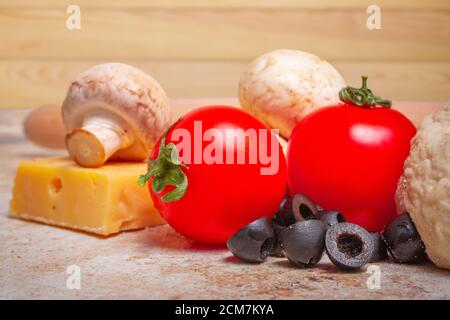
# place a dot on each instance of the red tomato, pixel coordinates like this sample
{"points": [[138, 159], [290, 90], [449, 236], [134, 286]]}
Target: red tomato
{"points": [[221, 198], [349, 158]]}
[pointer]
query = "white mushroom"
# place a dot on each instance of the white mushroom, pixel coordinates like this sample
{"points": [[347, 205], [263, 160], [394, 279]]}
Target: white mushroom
{"points": [[113, 110], [282, 86], [424, 188]]}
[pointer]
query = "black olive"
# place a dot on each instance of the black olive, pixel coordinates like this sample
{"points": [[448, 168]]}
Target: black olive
{"points": [[403, 240], [277, 250], [277, 216], [296, 208], [254, 242], [379, 248], [330, 218], [303, 242], [348, 245]]}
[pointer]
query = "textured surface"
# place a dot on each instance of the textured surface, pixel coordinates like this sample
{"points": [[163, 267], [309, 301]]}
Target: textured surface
{"points": [[200, 48], [424, 188], [222, 34], [46, 81], [157, 263]]}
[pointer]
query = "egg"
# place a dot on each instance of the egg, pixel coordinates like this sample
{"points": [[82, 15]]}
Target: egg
{"points": [[44, 127]]}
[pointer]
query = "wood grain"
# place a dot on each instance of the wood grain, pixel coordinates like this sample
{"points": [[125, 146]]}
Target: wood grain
{"points": [[199, 48], [231, 4], [40, 33], [31, 83]]}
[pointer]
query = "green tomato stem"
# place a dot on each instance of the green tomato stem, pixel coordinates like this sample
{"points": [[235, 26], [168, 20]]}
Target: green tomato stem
{"points": [[166, 171], [362, 97]]}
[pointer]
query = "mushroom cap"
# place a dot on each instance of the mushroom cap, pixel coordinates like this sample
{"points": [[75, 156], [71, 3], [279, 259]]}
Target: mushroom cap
{"points": [[424, 188], [282, 86], [125, 91]]}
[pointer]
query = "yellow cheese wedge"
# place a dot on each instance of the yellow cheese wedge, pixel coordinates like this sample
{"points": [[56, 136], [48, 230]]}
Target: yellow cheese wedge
{"points": [[103, 200]]}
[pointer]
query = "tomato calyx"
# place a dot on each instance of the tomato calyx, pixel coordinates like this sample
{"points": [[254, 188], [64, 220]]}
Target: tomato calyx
{"points": [[166, 171], [362, 97]]}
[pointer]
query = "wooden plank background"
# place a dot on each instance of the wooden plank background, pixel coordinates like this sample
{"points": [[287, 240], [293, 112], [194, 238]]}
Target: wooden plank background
{"points": [[199, 48]]}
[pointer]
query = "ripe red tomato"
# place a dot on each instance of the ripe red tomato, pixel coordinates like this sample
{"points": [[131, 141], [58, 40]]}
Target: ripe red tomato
{"points": [[220, 198], [350, 158]]}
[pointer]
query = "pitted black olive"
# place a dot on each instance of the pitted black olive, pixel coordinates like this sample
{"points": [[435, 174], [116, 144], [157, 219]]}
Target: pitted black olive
{"points": [[330, 218], [277, 250], [296, 208], [379, 248], [254, 242], [303, 242], [284, 215], [348, 245], [277, 217], [403, 241]]}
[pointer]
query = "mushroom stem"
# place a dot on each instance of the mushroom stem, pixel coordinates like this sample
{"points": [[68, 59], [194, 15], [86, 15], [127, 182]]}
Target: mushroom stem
{"points": [[97, 140]]}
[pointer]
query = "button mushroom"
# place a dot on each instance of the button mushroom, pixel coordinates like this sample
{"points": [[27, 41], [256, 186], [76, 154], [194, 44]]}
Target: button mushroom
{"points": [[282, 86], [115, 111]]}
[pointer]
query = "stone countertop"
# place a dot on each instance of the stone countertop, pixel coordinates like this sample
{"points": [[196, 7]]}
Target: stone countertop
{"points": [[157, 263]]}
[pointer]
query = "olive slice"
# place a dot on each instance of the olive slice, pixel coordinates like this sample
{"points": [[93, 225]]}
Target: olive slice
{"points": [[296, 208], [379, 248], [330, 218], [254, 242], [277, 216], [303, 242], [348, 245], [403, 241], [277, 250]]}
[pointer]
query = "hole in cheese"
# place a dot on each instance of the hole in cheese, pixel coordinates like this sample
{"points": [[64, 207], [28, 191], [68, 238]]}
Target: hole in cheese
{"points": [[55, 185]]}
